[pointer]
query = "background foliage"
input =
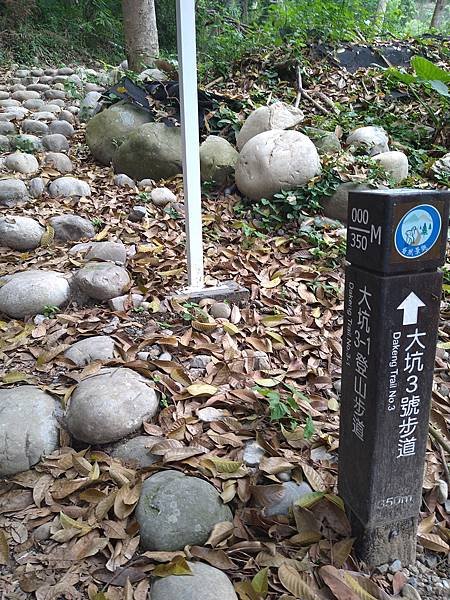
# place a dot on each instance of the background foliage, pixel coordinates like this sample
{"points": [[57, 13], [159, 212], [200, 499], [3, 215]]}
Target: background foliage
{"points": [[228, 29]]}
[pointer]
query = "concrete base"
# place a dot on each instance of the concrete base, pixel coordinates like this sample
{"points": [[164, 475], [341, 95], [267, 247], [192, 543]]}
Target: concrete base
{"points": [[227, 290]]}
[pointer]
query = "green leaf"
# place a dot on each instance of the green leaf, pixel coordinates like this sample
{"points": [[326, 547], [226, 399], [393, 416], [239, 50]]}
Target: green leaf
{"points": [[428, 71], [260, 582], [398, 75], [440, 88], [309, 428]]}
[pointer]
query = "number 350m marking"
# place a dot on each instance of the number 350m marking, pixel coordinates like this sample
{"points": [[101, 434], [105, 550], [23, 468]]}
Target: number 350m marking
{"points": [[394, 501]]}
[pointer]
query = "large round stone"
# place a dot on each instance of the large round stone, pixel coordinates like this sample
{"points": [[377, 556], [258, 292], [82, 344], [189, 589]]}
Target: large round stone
{"points": [[28, 428], [371, 139], [72, 227], [111, 127], [28, 293], [20, 233], [175, 510], [102, 280], [217, 160], [152, 151], [104, 251], [99, 347], [57, 160], [34, 127], [55, 142], [265, 118], [109, 405], [395, 163], [21, 162], [205, 583], [69, 186], [276, 160], [13, 191]]}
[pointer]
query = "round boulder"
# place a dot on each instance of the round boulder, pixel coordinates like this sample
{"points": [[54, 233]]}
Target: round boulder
{"points": [[55, 142], [20, 233], [62, 127], [102, 280], [105, 251], [59, 161], [152, 151], [36, 187], [217, 160], [34, 127], [28, 428], [175, 510], [371, 139], [111, 127], [71, 227], [13, 191], [28, 293], [69, 186], [265, 118], [395, 163], [162, 196], [205, 583], [276, 160], [21, 162], [109, 405], [99, 347]]}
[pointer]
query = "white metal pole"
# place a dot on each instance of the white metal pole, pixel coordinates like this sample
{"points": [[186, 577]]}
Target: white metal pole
{"points": [[187, 58]]}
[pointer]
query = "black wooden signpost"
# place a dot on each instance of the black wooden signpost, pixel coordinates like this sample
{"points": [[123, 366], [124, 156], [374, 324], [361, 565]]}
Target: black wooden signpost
{"points": [[396, 241]]}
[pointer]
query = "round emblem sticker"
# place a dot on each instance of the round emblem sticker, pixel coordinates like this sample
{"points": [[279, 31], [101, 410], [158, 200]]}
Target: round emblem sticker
{"points": [[418, 231]]}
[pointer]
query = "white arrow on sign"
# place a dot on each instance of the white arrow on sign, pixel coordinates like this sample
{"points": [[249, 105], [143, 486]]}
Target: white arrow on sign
{"points": [[410, 307]]}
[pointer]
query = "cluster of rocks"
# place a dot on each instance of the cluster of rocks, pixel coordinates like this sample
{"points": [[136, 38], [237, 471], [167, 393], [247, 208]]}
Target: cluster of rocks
{"points": [[37, 119], [28, 293], [272, 155], [124, 136]]}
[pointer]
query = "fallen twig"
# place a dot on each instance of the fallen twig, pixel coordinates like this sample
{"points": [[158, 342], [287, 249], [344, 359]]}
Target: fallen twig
{"points": [[301, 92]]}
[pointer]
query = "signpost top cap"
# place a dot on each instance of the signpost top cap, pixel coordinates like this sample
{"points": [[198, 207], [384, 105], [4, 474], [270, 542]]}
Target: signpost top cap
{"points": [[397, 231]]}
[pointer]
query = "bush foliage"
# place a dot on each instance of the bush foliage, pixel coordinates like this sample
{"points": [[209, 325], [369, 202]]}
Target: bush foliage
{"points": [[227, 29]]}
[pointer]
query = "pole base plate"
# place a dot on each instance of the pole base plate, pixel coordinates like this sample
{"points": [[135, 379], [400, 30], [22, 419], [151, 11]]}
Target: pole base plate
{"points": [[226, 290]]}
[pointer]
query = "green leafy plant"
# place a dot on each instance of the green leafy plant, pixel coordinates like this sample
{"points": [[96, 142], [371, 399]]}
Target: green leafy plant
{"points": [[144, 197], [24, 145], [279, 409], [72, 90], [426, 80], [50, 310], [98, 223]]}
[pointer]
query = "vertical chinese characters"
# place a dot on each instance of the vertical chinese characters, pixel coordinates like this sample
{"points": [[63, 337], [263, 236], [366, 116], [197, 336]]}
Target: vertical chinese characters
{"points": [[410, 403], [362, 345]]}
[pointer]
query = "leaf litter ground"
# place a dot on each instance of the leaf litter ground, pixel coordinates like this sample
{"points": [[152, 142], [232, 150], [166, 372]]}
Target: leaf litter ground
{"points": [[67, 528]]}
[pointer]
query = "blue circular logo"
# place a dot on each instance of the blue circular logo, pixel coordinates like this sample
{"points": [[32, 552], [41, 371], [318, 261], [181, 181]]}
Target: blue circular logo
{"points": [[418, 231]]}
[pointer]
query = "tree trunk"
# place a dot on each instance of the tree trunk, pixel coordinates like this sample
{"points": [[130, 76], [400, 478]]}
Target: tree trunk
{"points": [[141, 33], [244, 10], [381, 10], [438, 13]]}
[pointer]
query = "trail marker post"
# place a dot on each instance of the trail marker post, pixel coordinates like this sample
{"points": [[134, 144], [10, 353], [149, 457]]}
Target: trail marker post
{"points": [[187, 57], [396, 240]]}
